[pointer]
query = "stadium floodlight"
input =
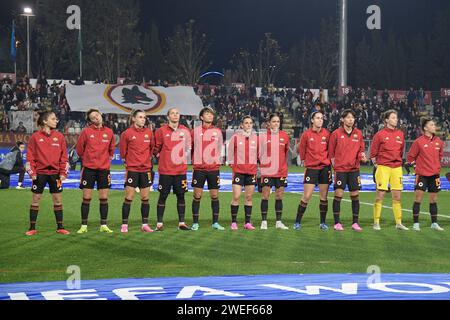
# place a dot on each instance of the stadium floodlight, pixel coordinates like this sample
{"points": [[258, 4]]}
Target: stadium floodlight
{"points": [[28, 12]]}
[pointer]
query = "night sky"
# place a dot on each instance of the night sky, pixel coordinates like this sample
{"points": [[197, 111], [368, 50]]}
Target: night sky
{"points": [[233, 24]]}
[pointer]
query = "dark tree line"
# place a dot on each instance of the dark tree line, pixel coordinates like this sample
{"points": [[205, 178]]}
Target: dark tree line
{"points": [[113, 46]]}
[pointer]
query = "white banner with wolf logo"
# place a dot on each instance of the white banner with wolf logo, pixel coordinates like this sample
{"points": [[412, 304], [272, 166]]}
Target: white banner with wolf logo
{"points": [[123, 99]]}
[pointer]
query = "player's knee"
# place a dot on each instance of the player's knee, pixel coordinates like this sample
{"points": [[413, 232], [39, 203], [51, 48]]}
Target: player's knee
{"points": [[380, 195], [197, 196]]}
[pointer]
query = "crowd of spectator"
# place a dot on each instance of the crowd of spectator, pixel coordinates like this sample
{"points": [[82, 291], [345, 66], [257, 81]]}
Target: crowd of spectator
{"points": [[232, 103]]}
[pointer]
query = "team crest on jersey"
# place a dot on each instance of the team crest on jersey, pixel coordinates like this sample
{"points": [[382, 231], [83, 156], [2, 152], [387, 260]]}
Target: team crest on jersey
{"points": [[342, 137], [92, 136], [324, 138], [134, 138], [41, 140], [55, 139], [146, 136], [312, 139], [425, 146], [105, 136], [355, 136]]}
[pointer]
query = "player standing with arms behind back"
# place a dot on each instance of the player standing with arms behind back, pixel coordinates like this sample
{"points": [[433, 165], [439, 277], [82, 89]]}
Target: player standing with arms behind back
{"points": [[386, 153], [172, 145], [136, 150], [426, 154], [47, 163], [274, 149], [313, 151], [95, 147], [207, 143], [347, 150], [243, 159]]}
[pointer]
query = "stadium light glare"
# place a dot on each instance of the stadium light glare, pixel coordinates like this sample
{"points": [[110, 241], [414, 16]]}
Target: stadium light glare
{"points": [[28, 10]]}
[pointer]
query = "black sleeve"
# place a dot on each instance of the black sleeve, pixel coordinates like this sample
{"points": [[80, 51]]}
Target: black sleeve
{"points": [[19, 160]]}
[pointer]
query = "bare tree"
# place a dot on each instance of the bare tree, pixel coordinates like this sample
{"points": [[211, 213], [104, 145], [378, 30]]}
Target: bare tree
{"points": [[187, 50], [263, 66]]}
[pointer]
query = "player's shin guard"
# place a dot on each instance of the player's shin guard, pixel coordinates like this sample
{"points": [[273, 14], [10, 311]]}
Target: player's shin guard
{"points": [[145, 211], [59, 216], [416, 212], [181, 207], [378, 205], [337, 209], [397, 208], [126, 211], [85, 211], [434, 212], [355, 208], [323, 210], [195, 209], [301, 211], [161, 207], [104, 207], [234, 213], [248, 214], [264, 209], [215, 207], [34, 210], [279, 209]]}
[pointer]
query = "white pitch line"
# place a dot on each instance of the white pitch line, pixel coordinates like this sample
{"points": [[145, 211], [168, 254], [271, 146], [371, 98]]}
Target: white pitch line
{"points": [[386, 207]]}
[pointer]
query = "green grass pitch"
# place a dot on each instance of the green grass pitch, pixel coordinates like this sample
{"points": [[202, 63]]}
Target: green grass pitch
{"points": [[174, 253]]}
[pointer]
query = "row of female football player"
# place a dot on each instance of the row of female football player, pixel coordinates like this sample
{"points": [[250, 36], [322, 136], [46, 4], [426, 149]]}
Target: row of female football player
{"points": [[320, 152]]}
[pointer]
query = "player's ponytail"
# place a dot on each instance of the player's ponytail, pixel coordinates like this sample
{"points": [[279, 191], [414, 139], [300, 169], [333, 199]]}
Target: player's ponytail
{"points": [[314, 114], [424, 122], [133, 115], [43, 116]]}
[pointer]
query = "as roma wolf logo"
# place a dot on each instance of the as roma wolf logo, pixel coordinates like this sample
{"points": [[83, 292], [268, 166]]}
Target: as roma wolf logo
{"points": [[135, 96]]}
